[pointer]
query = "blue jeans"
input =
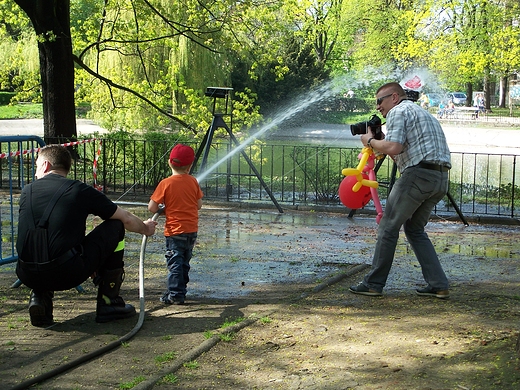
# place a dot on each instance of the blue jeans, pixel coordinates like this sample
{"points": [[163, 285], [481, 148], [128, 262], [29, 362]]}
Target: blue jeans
{"points": [[410, 203], [179, 250]]}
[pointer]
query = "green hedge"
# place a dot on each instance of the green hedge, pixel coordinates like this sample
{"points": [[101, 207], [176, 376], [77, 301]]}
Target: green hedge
{"points": [[5, 98]]}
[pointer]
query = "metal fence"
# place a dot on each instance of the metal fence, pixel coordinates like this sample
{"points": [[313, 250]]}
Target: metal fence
{"points": [[17, 157], [482, 184], [284, 175]]}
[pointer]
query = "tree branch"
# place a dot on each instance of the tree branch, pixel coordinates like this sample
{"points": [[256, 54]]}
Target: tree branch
{"points": [[135, 93]]}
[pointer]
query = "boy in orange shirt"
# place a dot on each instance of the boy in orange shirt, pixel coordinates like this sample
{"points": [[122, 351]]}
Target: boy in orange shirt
{"points": [[182, 199]]}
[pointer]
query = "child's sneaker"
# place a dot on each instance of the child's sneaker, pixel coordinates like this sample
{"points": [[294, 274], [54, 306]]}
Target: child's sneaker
{"points": [[167, 299]]}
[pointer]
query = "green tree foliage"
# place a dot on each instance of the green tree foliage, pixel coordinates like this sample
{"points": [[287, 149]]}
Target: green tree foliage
{"points": [[376, 29], [460, 42], [19, 68], [300, 72], [139, 47], [286, 48], [171, 64], [144, 64]]}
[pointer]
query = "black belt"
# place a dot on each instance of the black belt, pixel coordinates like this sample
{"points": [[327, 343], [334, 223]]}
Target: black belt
{"points": [[32, 266], [433, 167]]}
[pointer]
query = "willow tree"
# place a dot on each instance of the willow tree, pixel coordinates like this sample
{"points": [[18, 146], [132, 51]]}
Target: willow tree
{"points": [[19, 66], [146, 61], [105, 34]]}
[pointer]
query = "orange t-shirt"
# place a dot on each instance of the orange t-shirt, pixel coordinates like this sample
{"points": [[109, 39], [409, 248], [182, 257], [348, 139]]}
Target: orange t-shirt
{"points": [[180, 195]]}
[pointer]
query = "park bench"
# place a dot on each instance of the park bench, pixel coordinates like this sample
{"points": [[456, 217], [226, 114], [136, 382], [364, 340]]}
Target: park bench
{"points": [[462, 113]]}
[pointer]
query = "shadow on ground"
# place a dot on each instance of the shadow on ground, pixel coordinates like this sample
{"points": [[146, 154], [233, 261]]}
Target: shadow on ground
{"points": [[269, 308]]}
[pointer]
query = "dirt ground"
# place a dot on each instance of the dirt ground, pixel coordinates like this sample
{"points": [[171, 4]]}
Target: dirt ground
{"points": [[268, 308]]}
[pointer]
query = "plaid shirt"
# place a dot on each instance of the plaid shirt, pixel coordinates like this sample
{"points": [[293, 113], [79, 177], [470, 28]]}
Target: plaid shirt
{"points": [[420, 134]]}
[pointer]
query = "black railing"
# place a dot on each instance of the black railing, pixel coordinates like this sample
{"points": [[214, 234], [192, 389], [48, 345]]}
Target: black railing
{"points": [[480, 184]]}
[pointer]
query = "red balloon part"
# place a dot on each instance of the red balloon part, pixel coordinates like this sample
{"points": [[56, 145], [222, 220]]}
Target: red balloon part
{"points": [[414, 83], [354, 200]]}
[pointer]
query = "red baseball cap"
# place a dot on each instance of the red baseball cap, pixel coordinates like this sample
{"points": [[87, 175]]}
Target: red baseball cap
{"points": [[182, 155]]}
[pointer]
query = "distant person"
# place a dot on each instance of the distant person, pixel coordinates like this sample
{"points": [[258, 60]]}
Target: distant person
{"points": [[481, 105], [441, 111], [182, 199], [415, 141], [54, 253], [450, 109], [351, 103], [424, 101]]}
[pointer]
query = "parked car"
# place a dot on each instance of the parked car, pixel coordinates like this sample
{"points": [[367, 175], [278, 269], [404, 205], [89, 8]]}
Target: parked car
{"points": [[458, 98], [434, 99]]}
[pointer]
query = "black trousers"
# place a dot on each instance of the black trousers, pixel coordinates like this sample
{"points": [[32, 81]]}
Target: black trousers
{"points": [[95, 254]]}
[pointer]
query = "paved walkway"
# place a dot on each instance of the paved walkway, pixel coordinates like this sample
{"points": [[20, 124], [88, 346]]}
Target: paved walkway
{"points": [[497, 138], [35, 127]]}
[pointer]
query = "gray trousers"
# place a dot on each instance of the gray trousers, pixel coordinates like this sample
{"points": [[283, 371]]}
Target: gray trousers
{"points": [[410, 204]]}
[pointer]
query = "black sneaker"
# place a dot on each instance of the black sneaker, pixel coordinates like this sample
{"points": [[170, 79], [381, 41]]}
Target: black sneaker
{"points": [[364, 290], [430, 292]]}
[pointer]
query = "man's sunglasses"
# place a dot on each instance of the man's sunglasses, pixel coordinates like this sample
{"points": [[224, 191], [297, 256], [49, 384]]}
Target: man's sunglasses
{"points": [[380, 100]]}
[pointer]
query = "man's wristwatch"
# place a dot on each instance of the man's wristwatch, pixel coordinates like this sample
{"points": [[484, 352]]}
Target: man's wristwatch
{"points": [[370, 140]]}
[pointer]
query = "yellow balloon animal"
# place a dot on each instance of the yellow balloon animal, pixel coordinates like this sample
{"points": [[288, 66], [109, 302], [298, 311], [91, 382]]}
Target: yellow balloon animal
{"points": [[362, 167], [366, 166]]}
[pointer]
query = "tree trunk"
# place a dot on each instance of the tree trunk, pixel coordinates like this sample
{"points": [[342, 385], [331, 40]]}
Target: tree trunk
{"points": [[503, 92], [487, 94], [469, 94], [51, 22]]}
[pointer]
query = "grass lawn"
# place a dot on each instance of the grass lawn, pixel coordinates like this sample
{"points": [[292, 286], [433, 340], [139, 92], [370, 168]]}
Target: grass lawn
{"points": [[33, 110], [21, 111]]}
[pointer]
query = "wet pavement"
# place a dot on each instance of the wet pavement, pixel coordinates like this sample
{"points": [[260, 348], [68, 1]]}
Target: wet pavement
{"points": [[255, 264], [35, 127], [241, 252]]}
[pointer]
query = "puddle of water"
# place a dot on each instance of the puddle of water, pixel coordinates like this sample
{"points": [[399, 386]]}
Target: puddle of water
{"points": [[240, 251], [257, 248]]}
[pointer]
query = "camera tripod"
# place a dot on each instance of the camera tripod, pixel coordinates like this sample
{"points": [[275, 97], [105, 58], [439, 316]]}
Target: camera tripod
{"points": [[391, 183], [218, 121]]}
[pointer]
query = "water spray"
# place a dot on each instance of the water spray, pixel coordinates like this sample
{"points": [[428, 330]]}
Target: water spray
{"points": [[311, 98]]}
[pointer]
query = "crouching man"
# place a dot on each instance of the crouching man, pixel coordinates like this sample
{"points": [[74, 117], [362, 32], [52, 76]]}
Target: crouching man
{"points": [[54, 254]]}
